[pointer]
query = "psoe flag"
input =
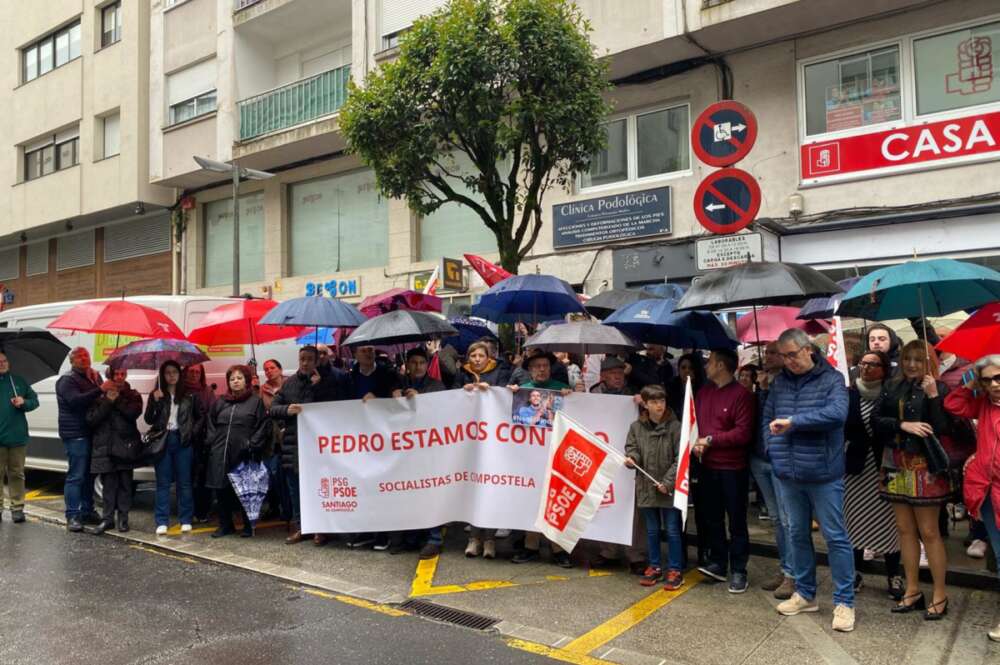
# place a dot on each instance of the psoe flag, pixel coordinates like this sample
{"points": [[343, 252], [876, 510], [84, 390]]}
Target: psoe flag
{"points": [[580, 469], [689, 435], [836, 355]]}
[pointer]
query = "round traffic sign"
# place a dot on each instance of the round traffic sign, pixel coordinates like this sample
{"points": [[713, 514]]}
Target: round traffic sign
{"points": [[724, 133], [727, 201]]}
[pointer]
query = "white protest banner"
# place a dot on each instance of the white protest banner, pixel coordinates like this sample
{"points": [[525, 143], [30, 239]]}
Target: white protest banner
{"points": [[453, 456], [836, 355], [689, 435], [579, 470]]}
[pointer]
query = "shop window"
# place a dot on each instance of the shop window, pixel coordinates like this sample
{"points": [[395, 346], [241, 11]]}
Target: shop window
{"points": [[75, 251], [111, 24], [853, 91], [53, 50], [218, 237], [644, 145], [38, 259], [957, 69], [454, 229], [337, 223]]}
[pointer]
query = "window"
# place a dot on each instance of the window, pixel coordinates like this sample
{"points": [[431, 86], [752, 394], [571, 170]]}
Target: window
{"points": [[854, 91], [191, 92], [337, 223], [218, 234], [38, 259], [957, 69], [51, 51], [58, 152], [10, 263], [453, 228], [644, 145], [111, 24], [75, 251], [112, 135], [398, 15]]}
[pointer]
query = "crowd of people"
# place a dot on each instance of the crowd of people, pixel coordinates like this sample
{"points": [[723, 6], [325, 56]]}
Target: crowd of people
{"points": [[871, 465]]}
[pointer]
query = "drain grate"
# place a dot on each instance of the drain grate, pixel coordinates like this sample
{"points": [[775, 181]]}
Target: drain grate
{"points": [[449, 615]]}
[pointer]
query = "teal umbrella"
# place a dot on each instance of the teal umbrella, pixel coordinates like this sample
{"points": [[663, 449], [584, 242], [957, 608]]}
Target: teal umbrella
{"points": [[935, 287]]}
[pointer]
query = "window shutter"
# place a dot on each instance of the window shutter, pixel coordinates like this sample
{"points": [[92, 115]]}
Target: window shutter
{"points": [[75, 251], [191, 82], [38, 258], [400, 14], [137, 238], [10, 264]]}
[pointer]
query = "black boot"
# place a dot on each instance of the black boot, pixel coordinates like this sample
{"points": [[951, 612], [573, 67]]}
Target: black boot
{"points": [[105, 524], [226, 527], [122, 522], [247, 529]]}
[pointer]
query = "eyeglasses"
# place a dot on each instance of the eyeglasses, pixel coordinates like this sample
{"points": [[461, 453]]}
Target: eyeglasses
{"points": [[791, 355], [867, 365], [987, 380]]}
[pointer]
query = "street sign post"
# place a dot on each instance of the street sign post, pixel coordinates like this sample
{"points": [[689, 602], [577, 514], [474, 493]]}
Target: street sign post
{"points": [[727, 201], [724, 133]]}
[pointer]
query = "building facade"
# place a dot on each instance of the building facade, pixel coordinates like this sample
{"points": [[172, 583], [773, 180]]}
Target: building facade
{"points": [[78, 215], [877, 140]]}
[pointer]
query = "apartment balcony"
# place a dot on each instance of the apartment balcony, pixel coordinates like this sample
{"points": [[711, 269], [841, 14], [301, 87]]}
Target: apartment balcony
{"points": [[239, 5], [294, 104]]}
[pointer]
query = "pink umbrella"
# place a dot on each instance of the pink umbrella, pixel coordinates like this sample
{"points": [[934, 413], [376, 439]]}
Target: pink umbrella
{"points": [[767, 323], [394, 299]]}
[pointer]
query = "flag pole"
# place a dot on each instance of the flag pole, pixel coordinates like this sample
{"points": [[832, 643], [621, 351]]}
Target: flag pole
{"points": [[609, 449]]}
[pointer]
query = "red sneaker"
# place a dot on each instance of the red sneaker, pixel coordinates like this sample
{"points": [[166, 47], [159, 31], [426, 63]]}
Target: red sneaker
{"points": [[651, 576], [674, 581]]}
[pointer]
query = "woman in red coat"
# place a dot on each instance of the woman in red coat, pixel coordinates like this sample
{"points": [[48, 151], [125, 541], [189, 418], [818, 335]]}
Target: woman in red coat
{"points": [[980, 399]]}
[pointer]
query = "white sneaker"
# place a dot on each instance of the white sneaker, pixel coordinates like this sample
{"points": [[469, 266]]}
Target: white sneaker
{"points": [[797, 605], [185, 528], [161, 530], [995, 634], [923, 557], [503, 533], [869, 554], [843, 618], [977, 549]]}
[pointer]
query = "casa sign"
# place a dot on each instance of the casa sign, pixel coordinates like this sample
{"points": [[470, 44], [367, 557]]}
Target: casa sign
{"points": [[929, 145]]}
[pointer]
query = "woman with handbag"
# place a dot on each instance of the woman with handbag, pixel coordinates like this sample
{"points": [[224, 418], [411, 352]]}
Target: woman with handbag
{"points": [[237, 427], [910, 422], [980, 399], [117, 447], [172, 414]]}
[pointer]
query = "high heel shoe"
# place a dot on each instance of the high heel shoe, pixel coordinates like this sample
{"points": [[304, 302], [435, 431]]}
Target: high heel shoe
{"points": [[940, 609], [904, 607]]}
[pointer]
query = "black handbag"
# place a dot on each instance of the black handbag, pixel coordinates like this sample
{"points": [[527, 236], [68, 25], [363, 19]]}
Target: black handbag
{"points": [[154, 443], [937, 457], [128, 451]]}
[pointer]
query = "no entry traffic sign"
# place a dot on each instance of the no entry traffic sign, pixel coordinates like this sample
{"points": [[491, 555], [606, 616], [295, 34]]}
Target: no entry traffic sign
{"points": [[727, 201], [724, 133]]}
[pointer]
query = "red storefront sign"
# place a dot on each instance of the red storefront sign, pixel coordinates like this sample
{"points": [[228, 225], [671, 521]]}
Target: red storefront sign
{"points": [[958, 138]]}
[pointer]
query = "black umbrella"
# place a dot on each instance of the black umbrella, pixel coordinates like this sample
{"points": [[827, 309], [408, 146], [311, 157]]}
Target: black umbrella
{"points": [[757, 284], [582, 337], [400, 327], [605, 303], [34, 354]]}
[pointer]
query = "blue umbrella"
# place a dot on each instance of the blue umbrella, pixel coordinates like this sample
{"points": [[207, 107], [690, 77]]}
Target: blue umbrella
{"points": [[469, 331], [921, 288], [826, 307], [318, 336], [250, 482], [655, 322], [314, 311], [528, 298], [665, 290], [151, 353]]}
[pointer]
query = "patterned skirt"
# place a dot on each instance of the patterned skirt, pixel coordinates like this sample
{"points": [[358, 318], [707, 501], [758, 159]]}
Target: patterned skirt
{"points": [[870, 521], [906, 479]]}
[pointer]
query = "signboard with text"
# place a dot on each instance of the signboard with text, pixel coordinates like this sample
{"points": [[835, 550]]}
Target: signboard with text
{"points": [[611, 218], [729, 250], [452, 274], [335, 288]]}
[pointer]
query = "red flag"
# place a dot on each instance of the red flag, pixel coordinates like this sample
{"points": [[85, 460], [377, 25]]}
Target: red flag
{"points": [[490, 272], [689, 436]]}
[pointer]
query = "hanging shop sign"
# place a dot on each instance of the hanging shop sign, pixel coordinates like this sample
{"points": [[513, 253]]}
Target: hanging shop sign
{"points": [[927, 145], [452, 274], [727, 201], [611, 218], [724, 133]]}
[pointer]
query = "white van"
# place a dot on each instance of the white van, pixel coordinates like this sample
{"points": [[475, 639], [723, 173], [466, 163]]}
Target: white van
{"points": [[45, 450]]}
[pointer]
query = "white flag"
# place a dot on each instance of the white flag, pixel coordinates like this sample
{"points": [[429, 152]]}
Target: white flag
{"points": [[432, 283], [835, 352], [689, 436], [581, 467]]}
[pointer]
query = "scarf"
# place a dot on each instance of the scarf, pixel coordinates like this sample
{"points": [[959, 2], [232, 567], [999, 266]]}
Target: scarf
{"points": [[490, 366], [242, 397], [869, 390]]}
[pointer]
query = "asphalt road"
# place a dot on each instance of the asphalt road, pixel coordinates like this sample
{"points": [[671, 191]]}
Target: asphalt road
{"points": [[73, 598]]}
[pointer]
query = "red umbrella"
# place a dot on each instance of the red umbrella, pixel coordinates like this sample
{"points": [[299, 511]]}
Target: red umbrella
{"points": [[772, 321], [394, 299], [119, 317], [236, 323], [978, 336]]}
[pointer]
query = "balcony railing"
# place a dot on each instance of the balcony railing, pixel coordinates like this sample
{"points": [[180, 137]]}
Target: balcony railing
{"points": [[243, 4], [294, 103]]}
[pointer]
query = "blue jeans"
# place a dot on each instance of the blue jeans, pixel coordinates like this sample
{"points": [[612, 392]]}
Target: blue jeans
{"points": [[78, 491], [826, 500], [670, 520], [292, 492], [762, 475], [174, 466], [434, 536], [989, 521]]}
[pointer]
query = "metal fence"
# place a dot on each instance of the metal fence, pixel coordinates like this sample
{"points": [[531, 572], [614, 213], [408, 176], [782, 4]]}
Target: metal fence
{"points": [[294, 104], [243, 4]]}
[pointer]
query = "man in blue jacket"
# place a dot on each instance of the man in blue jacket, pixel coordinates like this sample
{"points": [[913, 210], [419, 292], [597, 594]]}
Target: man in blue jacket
{"points": [[803, 429], [75, 392]]}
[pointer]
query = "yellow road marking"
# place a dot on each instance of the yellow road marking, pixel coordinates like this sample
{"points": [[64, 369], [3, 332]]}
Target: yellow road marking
{"points": [[630, 617], [599, 573], [357, 602], [555, 653], [151, 550], [42, 497], [175, 530]]}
